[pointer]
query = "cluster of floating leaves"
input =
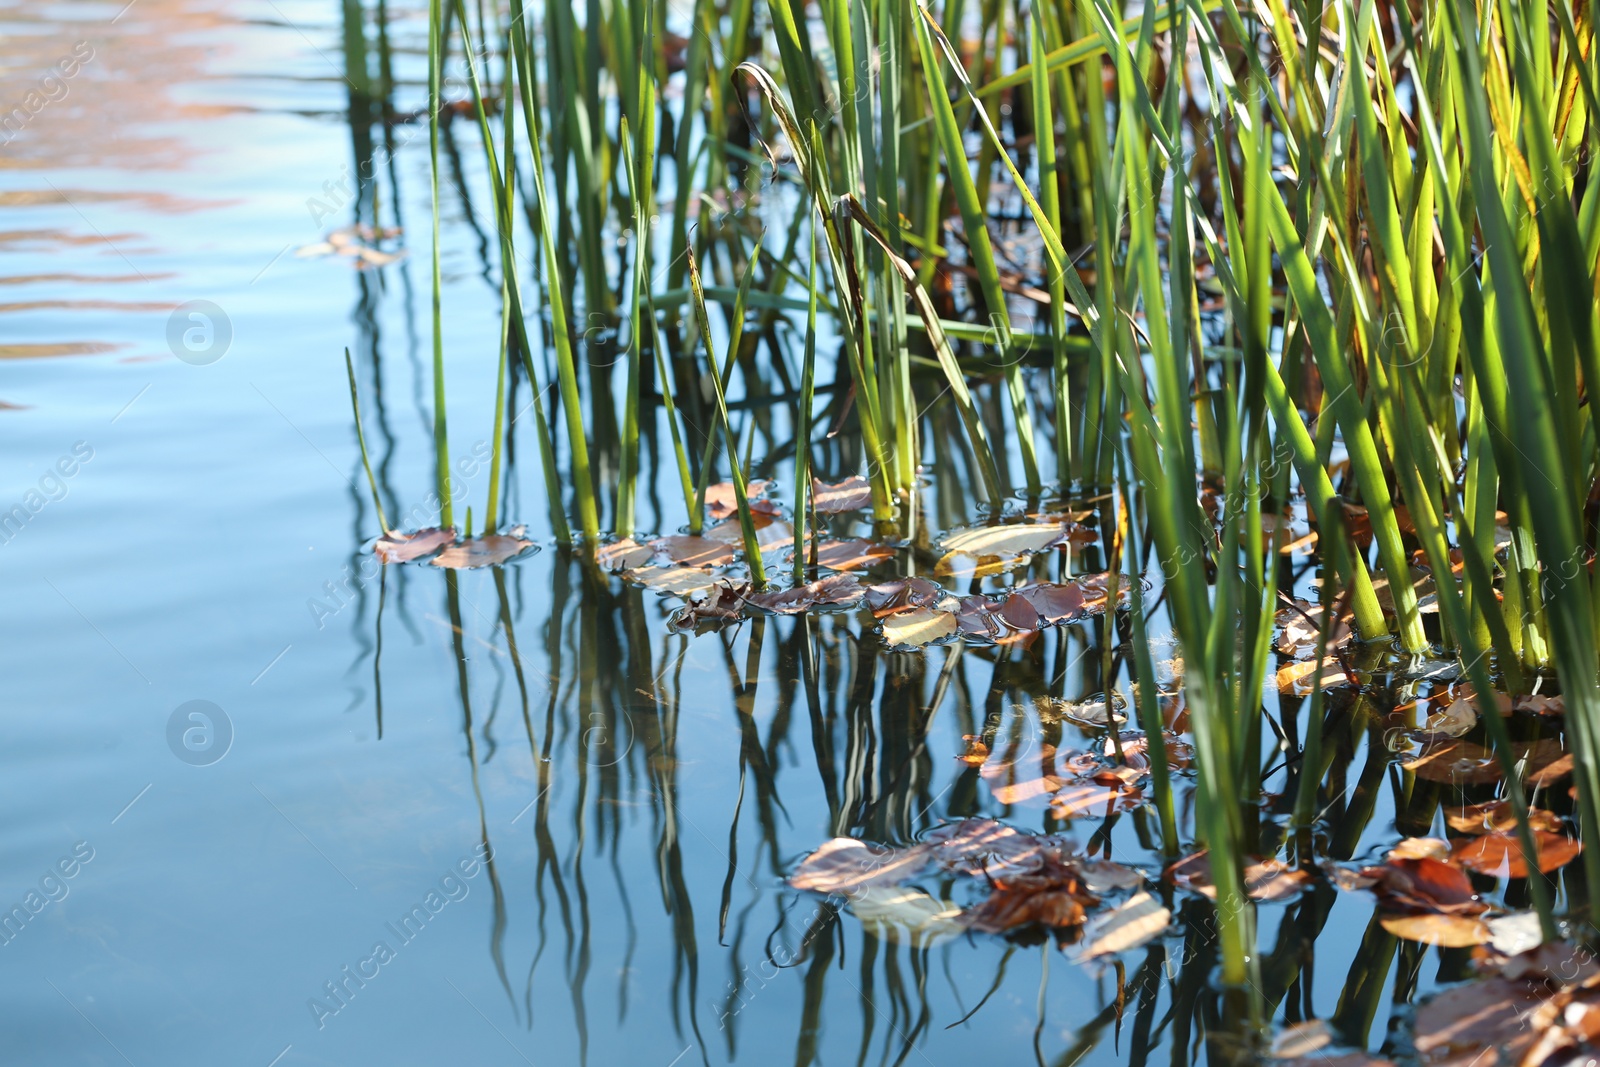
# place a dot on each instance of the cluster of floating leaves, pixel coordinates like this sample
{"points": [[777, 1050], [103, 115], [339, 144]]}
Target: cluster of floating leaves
{"points": [[448, 549]]}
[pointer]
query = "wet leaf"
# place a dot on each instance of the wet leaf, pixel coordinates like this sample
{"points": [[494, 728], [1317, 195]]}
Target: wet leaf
{"points": [[1301, 1039], [850, 555], [680, 581], [1495, 816], [1500, 854], [1455, 720], [1005, 541], [1094, 799], [693, 551], [1139, 920], [904, 594], [1136, 750], [1444, 931], [1300, 624], [1423, 886], [1052, 896], [831, 589], [1103, 876], [846, 865], [955, 565], [622, 555], [849, 495], [1272, 881], [990, 848], [772, 535], [395, 547], [918, 628], [722, 501], [1478, 1023], [1464, 763], [1091, 712], [725, 606], [1515, 934], [1054, 604], [1542, 705], [487, 551], [976, 751]]}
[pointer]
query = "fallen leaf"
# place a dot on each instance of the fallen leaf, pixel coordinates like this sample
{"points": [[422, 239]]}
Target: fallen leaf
{"points": [[1054, 604], [725, 607], [990, 848], [1444, 931], [847, 865], [1462, 762], [489, 550], [1301, 1039], [1272, 881], [1103, 876], [1457, 719], [680, 581], [621, 555], [1013, 540], [693, 551], [1420, 848], [850, 555], [1091, 712], [1500, 854], [1516, 934], [904, 594], [976, 751], [1138, 921], [1052, 896], [1094, 799], [722, 501], [851, 494], [1495, 816], [1542, 705], [1424, 886], [918, 628], [830, 589], [1477, 1023], [772, 535], [956, 565], [395, 547], [1297, 678]]}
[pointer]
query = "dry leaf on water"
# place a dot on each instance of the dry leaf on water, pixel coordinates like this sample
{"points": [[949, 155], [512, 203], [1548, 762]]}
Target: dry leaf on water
{"points": [[395, 547], [725, 607], [976, 751], [904, 594], [487, 551], [1052, 896], [1051, 604], [772, 535], [850, 555], [846, 865], [1500, 854], [1423, 886], [1456, 719], [902, 914], [832, 589], [1496, 816], [1095, 798], [917, 628], [622, 555], [849, 495], [1005, 541], [1297, 678], [1139, 920], [679, 581], [990, 847], [1420, 848], [694, 551], [1266, 881], [1300, 630], [1464, 763], [1443, 931], [721, 501]]}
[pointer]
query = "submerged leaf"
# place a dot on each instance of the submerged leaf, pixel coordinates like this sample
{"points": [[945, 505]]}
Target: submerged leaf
{"points": [[1297, 678], [1053, 897], [851, 494], [1139, 920], [395, 547], [694, 551]]}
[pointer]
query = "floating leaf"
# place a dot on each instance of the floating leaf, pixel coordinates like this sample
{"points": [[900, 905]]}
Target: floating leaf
{"points": [[1500, 854], [1267, 881], [846, 865], [1457, 719], [1464, 763], [694, 551], [918, 628], [487, 551], [1514, 934], [772, 535], [976, 751], [1480, 1022], [1005, 541], [1424, 886], [1297, 679], [849, 495], [850, 555], [722, 501], [904, 594], [394, 547], [725, 607], [830, 589], [1053, 604], [1542, 705], [1496, 816], [1420, 848], [1301, 1039], [901, 914], [1138, 921], [1444, 931], [622, 555], [1095, 799], [1053, 897], [991, 848], [680, 581], [955, 565]]}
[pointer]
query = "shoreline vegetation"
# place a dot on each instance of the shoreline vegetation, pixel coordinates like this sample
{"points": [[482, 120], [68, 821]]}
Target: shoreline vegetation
{"points": [[1278, 317]]}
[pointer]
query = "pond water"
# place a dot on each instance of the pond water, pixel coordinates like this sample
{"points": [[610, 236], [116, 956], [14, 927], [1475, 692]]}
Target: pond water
{"points": [[566, 826]]}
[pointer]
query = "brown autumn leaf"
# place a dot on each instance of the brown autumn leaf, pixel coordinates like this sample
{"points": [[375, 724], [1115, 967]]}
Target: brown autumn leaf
{"points": [[1301, 1039], [1136, 750], [850, 555], [1464, 763], [1420, 848], [1300, 629], [1005, 541], [1095, 798], [1542, 705], [1500, 854], [845, 864], [396, 547], [1444, 931], [1483, 1023], [851, 494], [1052, 604], [772, 534], [976, 751], [1496, 817], [722, 501], [1266, 880], [830, 589], [1015, 777], [490, 550], [1052, 896], [904, 594], [1456, 719], [917, 628], [725, 606], [980, 617], [623, 555], [694, 551], [1424, 886]]}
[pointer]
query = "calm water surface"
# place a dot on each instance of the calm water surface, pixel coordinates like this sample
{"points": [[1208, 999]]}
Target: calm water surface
{"points": [[640, 794]]}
